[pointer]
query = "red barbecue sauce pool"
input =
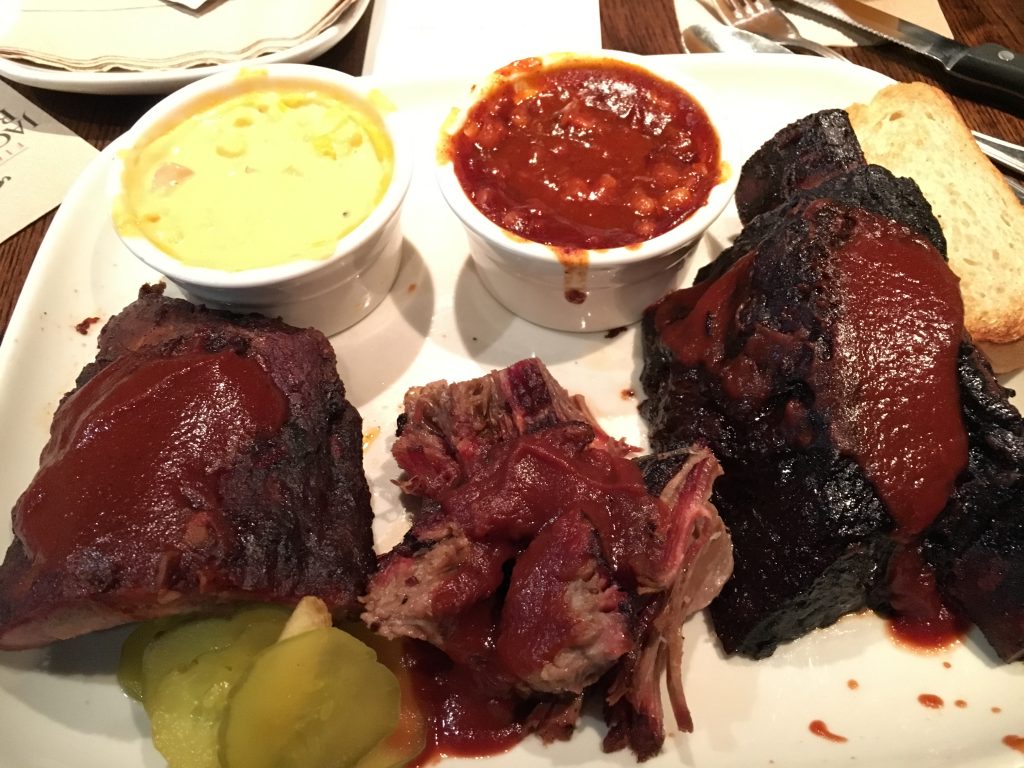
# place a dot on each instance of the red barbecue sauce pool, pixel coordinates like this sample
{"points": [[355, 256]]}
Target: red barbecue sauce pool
{"points": [[461, 719], [923, 622], [896, 402], [586, 153]]}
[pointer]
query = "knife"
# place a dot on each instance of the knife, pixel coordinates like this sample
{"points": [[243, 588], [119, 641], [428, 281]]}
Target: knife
{"points": [[989, 64], [716, 38]]}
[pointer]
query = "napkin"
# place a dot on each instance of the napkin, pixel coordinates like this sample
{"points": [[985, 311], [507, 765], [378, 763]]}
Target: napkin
{"points": [[102, 35], [924, 13], [412, 38], [191, 4], [39, 160]]}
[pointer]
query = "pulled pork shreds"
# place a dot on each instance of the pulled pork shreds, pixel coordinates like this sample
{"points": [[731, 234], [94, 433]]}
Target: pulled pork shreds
{"points": [[583, 563]]}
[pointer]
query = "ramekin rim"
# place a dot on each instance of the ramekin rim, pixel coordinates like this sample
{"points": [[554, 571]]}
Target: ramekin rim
{"points": [[680, 236], [179, 101]]}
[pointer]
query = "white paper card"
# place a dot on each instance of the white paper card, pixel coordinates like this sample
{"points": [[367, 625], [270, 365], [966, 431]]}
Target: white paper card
{"points": [[412, 38], [39, 160]]}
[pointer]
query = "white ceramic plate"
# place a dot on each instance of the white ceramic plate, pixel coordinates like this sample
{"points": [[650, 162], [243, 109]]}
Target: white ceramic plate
{"points": [[167, 80], [61, 706]]}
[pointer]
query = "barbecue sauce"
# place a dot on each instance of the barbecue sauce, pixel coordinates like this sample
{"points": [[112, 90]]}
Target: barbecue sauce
{"points": [[1014, 742], [894, 374], [886, 380], [922, 620], [463, 718], [709, 310], [131, 472], [818, 728], [585, 153], [884, 372]]}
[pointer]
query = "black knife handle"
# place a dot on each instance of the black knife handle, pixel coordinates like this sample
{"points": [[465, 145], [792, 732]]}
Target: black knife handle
{"points": [[992, 65]]}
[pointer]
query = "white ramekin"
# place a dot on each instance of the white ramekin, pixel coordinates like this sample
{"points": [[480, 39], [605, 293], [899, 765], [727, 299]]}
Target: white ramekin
{"points": [[330, 294], [619, 283]]}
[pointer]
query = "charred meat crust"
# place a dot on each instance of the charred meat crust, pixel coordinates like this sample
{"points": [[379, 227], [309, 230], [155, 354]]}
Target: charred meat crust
{"points": [[871, 187], [811, 159], [803, 155], [295, 507], [976, 546], [810, 533]]}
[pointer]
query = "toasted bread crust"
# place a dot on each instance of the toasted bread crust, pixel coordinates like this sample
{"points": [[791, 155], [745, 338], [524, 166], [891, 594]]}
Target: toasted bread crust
{"points": [[914, 130], [1003, 357]]}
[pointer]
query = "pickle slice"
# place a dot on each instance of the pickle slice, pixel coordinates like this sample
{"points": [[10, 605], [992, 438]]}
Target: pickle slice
{"points": [[404, 743], [187, 705], [182, 644], [179, 647], [409, 738], [129, 668], [316, 700]]}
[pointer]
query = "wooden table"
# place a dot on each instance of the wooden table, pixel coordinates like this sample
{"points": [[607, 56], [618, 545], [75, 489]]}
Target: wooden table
{"points": [[640, 26]]}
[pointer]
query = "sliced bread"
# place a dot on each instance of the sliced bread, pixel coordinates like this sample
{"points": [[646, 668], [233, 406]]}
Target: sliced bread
{"points": [[914, 130]]}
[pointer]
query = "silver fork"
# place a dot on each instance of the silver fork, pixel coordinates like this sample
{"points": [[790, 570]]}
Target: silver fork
{"points": [[763, 18]]}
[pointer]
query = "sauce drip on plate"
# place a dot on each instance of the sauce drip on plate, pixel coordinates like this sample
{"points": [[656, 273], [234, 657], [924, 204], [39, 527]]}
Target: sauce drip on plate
{"points": [[818, 728]]}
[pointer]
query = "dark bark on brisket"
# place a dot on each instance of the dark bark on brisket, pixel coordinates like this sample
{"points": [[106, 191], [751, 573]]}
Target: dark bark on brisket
{"points": [[809, 531], [292, 511], [813, 158], [977, 545], [802, 155], [872, 188]]}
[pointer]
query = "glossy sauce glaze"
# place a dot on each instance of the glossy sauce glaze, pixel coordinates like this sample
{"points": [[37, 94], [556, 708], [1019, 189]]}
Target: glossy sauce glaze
{"points": [[462, 718], [923, 621], [586, 154], [898, 399], [708, 310], [886, 384], [142, 444], [897, 403]]}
